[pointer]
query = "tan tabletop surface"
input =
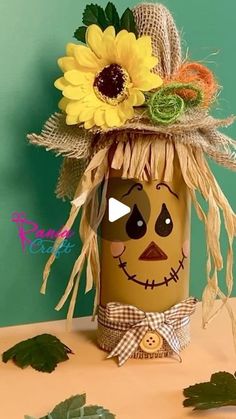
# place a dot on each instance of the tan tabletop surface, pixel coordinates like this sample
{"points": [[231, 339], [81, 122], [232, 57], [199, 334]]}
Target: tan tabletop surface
{"points": [[141, 389]]}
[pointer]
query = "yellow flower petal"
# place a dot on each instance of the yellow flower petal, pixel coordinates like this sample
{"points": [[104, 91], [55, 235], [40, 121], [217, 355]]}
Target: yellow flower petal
{"points": [[150, 62], [63, 104], [137, 97], [86, 58], [70, 48], [125, 49], [120, 35], [91, 100], [144, 44], [89, 124], [78, 78], [67, 63], [86, 114], [99, 117], [110, 31], [74, 93], [126, 110], [94, 39], [72, 120], [147, 81], [112, 117], [74, 108], [109, 52], [61, 83]]}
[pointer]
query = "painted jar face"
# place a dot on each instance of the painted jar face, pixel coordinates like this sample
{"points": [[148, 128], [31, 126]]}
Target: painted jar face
{"points": [[145, 262]]}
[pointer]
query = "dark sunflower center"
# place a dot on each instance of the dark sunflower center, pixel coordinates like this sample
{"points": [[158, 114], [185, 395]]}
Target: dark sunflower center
{"points": [[110, 84]]}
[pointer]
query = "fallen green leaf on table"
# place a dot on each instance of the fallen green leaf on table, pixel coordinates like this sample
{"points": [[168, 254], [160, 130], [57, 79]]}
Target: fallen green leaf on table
{"points": [[42, 352], [74, 408], [218, 392]]}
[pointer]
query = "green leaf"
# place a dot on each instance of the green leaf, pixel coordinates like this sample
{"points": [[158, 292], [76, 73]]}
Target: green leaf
{"points": [[66, 408], [218, 392], [128, 22], [74, 408], [42, 352], [112, 16], [93, 412], [94, 14], [80, 34]]}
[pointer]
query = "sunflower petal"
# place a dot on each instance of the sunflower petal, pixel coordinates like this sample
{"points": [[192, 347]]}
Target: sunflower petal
{"points": [[86, 58], [63, 104], [74, 108], [61, 83], [120, 35], [94, 39], [78, 78], [137, 97], [151, 62], [74, 93], [99, 117], [109, 52], [112, 117], [125, 50], [89, 124], [147, 81], [70, 48], [67, 63], [126, 109], [110, 31], [86, 114], [72, 120], [144, 44]]}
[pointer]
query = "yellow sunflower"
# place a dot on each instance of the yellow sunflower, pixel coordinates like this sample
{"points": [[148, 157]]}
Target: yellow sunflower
{"points": [[105, 80]]}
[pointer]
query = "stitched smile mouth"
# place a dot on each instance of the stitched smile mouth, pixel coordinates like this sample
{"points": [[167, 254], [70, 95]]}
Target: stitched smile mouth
{"points": [[173, 275]]}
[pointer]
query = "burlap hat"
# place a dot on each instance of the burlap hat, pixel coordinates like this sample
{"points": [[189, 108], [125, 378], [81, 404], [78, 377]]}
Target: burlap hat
{"points": [[194, 127]]}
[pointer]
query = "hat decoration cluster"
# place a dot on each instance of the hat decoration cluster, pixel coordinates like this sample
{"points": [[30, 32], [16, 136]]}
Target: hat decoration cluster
{"points": [[112, 78]]}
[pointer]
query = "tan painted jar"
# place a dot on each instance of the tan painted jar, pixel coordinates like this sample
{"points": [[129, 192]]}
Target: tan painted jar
{"points": [[149, 268]]}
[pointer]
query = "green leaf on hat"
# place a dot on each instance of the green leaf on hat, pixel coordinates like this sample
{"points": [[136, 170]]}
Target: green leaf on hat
{"points": [[128, 22], [218, 392], [42, 352], [95, 14], [80, 34], [112, 16], [74, 408]]}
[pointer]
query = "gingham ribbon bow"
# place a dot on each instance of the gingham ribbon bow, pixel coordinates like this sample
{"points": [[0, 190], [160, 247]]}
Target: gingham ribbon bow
{"points": [[164, 323]]}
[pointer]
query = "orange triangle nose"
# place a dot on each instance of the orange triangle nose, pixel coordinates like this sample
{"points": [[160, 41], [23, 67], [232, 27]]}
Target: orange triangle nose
{"points": [[153, 252]]}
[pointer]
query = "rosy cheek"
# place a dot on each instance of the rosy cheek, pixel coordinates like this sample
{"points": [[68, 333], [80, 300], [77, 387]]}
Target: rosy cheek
{"points": [[186, 248], [117, 248]]}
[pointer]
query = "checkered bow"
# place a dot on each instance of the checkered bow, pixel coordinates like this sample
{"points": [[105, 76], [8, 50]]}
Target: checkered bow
{"points": [[164, 323]]}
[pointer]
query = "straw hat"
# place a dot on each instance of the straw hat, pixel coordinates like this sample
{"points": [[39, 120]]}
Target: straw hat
{"points": [[193, 125]]}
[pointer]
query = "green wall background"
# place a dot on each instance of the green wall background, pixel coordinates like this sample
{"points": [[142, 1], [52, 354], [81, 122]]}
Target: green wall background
{"points": [[33, 35]]}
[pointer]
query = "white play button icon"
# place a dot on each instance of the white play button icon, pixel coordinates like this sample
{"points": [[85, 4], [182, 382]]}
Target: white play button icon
{"points": [[116, 210]]}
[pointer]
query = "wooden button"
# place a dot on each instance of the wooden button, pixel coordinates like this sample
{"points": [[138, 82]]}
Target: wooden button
{"points": [[151, 342]]}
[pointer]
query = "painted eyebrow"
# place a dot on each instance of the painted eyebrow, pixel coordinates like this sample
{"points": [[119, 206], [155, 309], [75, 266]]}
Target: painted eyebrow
{"points": [[158, 187], [137, 185]]}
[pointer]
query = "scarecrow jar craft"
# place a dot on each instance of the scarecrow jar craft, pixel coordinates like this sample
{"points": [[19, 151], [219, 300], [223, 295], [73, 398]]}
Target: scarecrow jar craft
{"points": [[135, 127]]}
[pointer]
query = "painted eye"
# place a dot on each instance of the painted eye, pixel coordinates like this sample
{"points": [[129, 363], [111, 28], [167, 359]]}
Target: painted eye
{"points": [[136, 226], [164, 223]]}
